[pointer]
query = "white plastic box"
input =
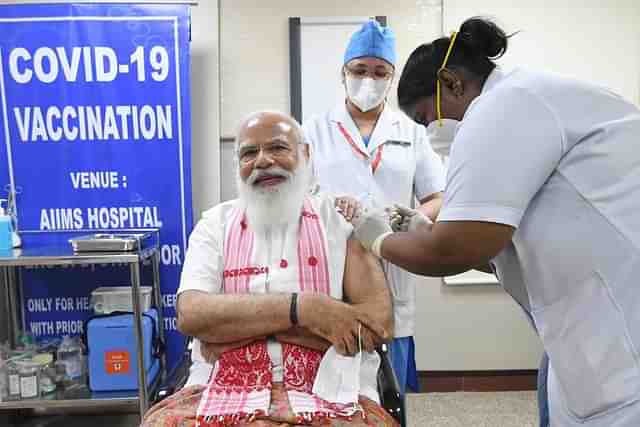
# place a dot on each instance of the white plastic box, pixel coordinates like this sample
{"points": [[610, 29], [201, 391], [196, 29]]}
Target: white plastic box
{"points": [[108, 299]]}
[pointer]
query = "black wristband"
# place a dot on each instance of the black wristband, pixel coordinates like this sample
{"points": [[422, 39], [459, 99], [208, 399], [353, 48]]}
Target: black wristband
{"points": [[293, 309]]}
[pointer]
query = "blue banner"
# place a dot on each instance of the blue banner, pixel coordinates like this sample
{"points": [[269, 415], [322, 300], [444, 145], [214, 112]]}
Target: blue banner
{"points": [[95, 131]]}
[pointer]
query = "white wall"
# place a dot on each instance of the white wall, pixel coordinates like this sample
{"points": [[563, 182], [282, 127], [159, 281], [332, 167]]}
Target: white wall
{"points": [[205, 103], [593, 40]]}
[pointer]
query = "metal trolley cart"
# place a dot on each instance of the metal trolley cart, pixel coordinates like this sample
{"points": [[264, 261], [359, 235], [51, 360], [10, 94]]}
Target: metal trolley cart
{"points": [[147, 252]]}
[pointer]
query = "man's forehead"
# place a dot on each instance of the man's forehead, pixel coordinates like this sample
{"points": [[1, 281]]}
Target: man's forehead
{"points": [[263, 129]]}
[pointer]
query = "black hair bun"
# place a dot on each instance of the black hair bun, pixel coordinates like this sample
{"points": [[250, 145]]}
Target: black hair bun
{"points": [[484, 37]]}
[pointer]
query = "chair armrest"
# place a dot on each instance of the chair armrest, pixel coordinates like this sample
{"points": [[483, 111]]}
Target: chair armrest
{"points": [[389, 389]]}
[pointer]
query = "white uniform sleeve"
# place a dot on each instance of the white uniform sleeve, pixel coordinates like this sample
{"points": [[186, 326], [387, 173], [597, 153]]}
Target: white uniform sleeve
{"points": [[307, 138], [203, 265], [508, 145], [430, 175]]}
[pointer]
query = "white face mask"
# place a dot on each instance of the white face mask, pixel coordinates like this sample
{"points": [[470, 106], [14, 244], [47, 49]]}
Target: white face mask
{"points": [[367, 93], [369, 369], [338, 377], [441, 137]]}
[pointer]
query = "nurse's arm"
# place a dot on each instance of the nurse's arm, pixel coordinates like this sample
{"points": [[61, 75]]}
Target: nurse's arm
{"points": [[430, 205], [447, 248]]}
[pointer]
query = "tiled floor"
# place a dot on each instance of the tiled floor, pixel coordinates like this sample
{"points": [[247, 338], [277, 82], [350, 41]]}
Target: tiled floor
{"points": [[463, 409]]}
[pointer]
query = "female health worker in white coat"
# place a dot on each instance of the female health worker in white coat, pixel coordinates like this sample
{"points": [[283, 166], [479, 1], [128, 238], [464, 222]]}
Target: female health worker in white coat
{"points": [[365, 150], [543, 183]]}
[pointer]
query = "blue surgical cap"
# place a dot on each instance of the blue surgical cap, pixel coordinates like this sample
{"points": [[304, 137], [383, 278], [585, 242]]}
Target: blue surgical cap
{"points": [[372, 40]]}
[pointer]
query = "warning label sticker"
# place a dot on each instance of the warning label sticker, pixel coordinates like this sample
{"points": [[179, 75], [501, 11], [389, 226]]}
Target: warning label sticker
{"points": [[116, 362]]}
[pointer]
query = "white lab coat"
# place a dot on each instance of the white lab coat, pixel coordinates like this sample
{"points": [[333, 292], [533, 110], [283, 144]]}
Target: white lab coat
{"points": [[408, 168], [559, 160]]}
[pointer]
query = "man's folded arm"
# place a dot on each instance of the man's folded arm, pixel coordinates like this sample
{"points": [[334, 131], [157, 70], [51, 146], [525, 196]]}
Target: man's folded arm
{"points": [[225, 318]]}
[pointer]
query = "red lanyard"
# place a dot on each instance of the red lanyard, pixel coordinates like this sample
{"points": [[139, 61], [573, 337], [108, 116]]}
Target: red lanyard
{"points": [[378, 158]]}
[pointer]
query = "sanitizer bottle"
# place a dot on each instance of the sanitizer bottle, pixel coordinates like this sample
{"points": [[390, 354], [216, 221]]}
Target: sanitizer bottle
{"points": [[6, 238]]}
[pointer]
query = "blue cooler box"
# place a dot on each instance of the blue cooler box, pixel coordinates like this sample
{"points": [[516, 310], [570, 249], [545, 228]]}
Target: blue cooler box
{"points": [[113, 356]]}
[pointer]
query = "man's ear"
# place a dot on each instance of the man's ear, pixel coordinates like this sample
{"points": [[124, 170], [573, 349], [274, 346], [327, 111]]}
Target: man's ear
{"points": [[305, 150], [451, 81]]}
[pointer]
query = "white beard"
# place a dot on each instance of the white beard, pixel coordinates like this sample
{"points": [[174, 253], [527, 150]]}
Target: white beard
{"points": [[280, 204]]}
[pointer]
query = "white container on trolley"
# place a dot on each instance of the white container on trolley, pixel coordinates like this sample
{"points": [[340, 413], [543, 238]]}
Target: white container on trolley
{"points": [[108, 299]]}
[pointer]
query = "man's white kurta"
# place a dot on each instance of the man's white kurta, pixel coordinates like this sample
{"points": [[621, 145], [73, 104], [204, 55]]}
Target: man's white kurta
{"points": [[204, 264]]}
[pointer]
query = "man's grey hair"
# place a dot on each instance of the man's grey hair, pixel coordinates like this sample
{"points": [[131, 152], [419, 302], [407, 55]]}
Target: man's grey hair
{"points": [[251, 116]]}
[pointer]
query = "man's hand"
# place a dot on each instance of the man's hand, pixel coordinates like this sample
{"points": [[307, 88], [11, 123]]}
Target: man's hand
{"points": [[370, 340], [373, 332], [336, 321]]}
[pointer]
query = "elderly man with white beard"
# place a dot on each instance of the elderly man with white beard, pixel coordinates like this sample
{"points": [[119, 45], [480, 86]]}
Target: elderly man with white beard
{"points": [[285, 307]]}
